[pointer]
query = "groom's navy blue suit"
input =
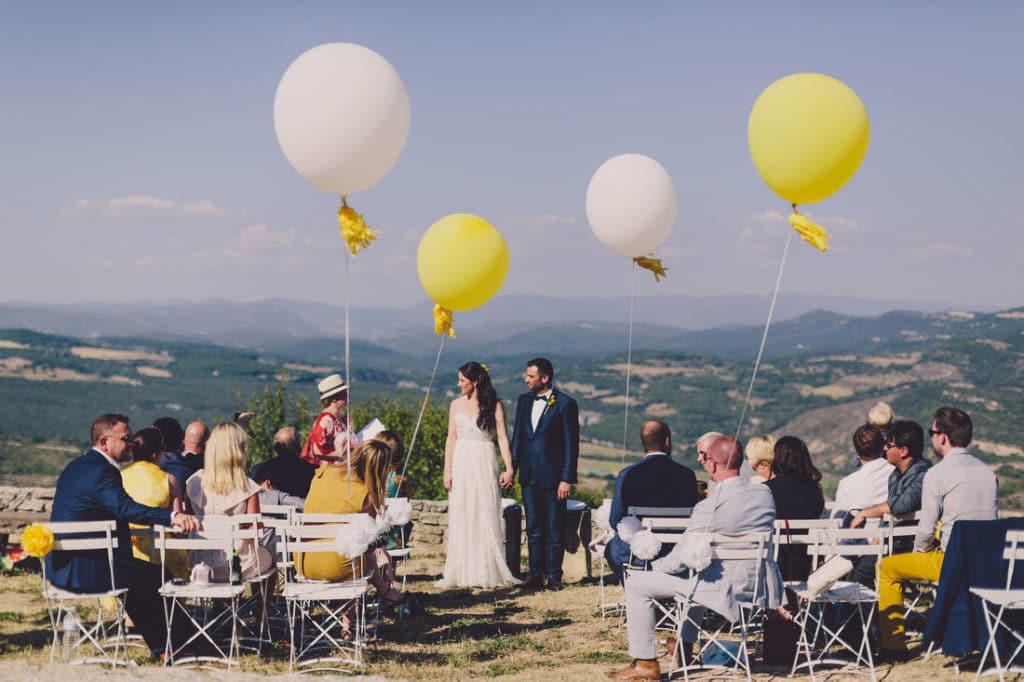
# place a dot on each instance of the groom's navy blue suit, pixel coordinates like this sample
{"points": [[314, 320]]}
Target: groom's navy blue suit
{"points": [[545, 457]]}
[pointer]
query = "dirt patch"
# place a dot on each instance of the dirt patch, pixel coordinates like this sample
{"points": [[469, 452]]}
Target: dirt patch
{"points": [[147, 371], [14, 364], [127, 381], [936, 371], [890, 360], [660, 410], [13, 345], [1000, 449], [312, 369], [998, 345], [619, 400], [650, 371], [117, 355]]}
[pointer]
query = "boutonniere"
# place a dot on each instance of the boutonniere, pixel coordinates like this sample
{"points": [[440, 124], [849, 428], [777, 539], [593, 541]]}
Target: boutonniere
{"points": [[550, 403]]}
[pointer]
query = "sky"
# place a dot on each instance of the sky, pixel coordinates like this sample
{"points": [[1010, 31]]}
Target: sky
{"points": [[138, 159]]}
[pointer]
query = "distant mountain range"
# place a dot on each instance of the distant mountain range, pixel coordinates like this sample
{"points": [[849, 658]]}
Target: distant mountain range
{"points": [[508, 325]]}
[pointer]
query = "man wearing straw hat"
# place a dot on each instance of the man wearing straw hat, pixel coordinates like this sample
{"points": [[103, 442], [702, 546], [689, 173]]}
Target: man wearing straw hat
{"points": [[330, 437]]}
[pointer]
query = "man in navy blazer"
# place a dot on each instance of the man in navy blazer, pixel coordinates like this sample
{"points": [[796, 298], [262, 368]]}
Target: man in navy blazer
{"points": [[654, 481], [90, 489], [545, 447]]}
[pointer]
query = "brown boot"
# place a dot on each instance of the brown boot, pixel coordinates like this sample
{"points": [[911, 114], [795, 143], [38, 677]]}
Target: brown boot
{"points": [[672, 649], [639, 669]]}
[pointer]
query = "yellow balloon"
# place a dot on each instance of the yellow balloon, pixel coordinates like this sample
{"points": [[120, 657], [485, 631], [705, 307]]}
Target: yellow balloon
{"points": [[808, 134], [462, 261]]}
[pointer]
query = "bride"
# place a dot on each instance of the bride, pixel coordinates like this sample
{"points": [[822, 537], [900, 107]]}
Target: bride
{"points": [[476, 538]]}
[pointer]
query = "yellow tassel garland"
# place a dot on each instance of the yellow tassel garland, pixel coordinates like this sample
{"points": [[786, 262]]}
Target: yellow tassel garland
{"points": [[814, 235], [443, 321], [653, 265], [354, 230]]}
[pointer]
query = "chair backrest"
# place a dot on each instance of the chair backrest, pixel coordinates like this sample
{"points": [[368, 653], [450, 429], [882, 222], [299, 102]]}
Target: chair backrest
{"points": [[216, 535], [641, 512], [756, 547], [1013, 552], [848, 542], [892, 523], [799, 532], [308, 533], [81, 536], [401, 529], [666, 528], [282, 511]]}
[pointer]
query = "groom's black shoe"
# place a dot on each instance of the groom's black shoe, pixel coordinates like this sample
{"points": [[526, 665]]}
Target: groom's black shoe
{"points": [[554, 585], [532, 582]]}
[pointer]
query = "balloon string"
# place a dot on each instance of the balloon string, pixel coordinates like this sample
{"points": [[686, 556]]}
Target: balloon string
{"points": [[423, 407], [629, 359], [348, 380], [764, 336]]}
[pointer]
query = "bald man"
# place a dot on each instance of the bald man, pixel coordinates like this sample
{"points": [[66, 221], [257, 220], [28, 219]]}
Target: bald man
{"points": [[183, 464], [735, 508]]}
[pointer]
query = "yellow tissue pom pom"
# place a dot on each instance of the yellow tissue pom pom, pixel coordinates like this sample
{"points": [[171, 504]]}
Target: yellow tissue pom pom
{"points": [[354, 230], [653, 265], [812, 234], [37, 540], [443, 321]]}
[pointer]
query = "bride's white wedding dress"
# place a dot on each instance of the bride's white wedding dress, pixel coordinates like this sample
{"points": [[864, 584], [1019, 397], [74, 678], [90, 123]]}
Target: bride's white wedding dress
{"points": [[476, 533]]}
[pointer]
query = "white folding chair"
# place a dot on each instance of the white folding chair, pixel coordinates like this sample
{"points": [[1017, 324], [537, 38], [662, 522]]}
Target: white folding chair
{"points": [[316, 607], [913, 590], [667, 524], [733, 656], [604, 608], [209, 607], [106, 639], [997, 602], [821, 641], [276, 518]]}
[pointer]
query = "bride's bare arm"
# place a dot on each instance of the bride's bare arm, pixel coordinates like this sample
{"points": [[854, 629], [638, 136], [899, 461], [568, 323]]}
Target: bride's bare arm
{"points": [[449, 447], [506, 453]]}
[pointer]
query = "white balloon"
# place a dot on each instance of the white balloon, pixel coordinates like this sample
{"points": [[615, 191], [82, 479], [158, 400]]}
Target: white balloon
{"points": [[631, 204], [341, 114]]}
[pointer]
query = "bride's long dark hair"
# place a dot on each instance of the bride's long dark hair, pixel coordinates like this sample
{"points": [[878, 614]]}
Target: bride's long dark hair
{"points": [[486, 396]]}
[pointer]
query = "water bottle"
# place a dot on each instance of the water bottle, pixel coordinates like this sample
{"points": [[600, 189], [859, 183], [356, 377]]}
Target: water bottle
{"points": [[236, 568], [71, 636]]}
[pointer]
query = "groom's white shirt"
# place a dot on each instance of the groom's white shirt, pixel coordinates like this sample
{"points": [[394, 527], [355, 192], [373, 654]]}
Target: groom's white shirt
{"points": [[538, 408]]}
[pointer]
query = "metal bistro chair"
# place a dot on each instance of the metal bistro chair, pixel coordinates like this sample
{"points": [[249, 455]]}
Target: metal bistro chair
{"points": [[276, 518], [734, 656], [400, 555], [209, 607], [997, 603], [316, 607], [668, 530], [820, 634], [97, 537]]}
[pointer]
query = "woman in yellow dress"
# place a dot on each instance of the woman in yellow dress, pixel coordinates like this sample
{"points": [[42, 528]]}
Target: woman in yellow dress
{"points": [[146, 483]]}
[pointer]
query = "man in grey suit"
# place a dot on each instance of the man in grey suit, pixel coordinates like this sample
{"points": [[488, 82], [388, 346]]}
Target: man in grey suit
{"points": [[735, 508]]}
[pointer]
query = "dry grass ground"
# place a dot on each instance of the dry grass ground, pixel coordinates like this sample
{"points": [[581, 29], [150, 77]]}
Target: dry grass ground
{"points": [[465, 634]]}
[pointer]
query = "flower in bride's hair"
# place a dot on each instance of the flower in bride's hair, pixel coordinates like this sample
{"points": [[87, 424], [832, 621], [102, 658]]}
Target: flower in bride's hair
{"points": [[485, 368]]}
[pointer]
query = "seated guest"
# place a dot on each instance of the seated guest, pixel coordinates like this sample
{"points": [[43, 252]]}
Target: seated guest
{"points": [[90, 489], [904, 452], [185, 448], [760, 452], [338, 490], [148, 484], [287, 471], [330, 433], [398, 485], [869, 484], [270, 495], [702, 444], [959, 487], [737, 509], [654, 481], [796, 489], [222, 488]]}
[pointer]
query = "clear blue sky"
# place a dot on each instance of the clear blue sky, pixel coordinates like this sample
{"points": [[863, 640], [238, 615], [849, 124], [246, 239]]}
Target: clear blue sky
{"points": [[139, 159]]}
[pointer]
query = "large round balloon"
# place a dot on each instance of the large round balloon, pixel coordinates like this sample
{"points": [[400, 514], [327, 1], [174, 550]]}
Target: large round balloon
{"points": [[342, 117], [462, 261], [808, 134], [631, 204]]}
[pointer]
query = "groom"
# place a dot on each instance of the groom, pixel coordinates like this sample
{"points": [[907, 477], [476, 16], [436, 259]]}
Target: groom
{"points": [[545, 447]]}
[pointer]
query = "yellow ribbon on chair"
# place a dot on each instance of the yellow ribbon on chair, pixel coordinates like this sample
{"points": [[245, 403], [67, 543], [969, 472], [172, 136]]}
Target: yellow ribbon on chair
{"points": [[354, 230]]}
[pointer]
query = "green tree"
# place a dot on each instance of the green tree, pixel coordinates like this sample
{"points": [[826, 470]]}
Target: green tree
{"points": [[272, 409]]}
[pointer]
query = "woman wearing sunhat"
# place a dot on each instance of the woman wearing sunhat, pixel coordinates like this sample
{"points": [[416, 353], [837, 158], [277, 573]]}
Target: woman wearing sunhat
{"points": [[330, 437]]}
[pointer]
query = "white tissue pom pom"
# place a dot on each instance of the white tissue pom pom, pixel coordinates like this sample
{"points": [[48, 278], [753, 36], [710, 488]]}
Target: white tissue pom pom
{"points": [[602, 515], [692, 551], [354, 538], [399, 512], [628, 527], [644, 545]]}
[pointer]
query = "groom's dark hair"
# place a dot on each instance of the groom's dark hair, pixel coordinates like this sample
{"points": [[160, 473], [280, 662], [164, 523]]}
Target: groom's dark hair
{"points": [[543, 366]]}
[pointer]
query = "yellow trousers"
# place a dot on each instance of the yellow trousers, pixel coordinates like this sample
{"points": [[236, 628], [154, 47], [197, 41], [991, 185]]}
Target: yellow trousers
{"points": [[924, 566]]}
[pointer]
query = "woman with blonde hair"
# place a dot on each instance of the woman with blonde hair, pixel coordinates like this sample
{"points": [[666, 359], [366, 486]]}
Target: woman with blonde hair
{"points": [[223, 488], [760, 452], [338, 489]]}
